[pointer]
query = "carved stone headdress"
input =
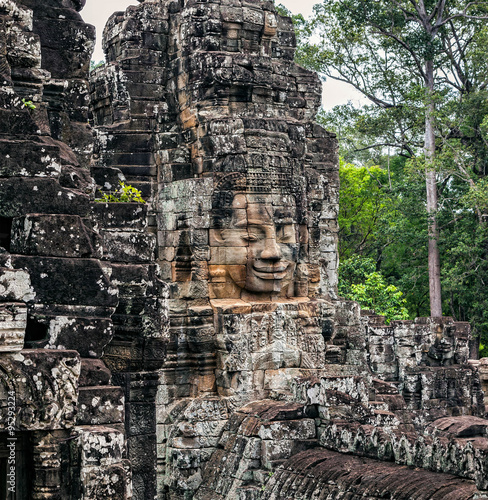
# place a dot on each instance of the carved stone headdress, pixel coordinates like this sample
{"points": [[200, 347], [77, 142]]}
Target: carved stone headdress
{"points": [[254, 183]]}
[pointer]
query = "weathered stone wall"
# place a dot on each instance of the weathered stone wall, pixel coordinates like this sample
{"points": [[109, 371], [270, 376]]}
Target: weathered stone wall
{"points": [[200, 105], [56, 297], [323, 474], [66, 46], [269, 450]]}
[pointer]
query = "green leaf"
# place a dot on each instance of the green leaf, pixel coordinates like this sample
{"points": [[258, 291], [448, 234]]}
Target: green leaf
{"points": [[125, 194]]}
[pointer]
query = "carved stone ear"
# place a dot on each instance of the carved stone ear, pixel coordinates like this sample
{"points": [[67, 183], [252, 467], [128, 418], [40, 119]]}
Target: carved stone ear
{"points": [[216, 237]]}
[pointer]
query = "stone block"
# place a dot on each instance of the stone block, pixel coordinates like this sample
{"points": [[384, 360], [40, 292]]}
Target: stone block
{"points": [[128, 246], [29, 159], [100, 405], [68, 281], [99, 446], [21, 196], [15, 285], [88, 336], [288, 429], [459, 427], [111, 481], [142, 418], [60, 57], [230, 306], [120, 215], [108, 178], [190, 458], [145, 277], [142, 453], [205, 410], [275, 450], [94, 372], [44, 385], [13, 320], [53, 235]]}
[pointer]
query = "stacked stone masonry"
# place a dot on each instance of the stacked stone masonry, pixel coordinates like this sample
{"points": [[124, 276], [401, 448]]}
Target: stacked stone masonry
{"points": [[194, 347]]}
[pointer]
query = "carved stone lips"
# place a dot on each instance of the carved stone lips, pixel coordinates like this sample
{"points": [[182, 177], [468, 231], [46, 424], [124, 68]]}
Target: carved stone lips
{"points": [[272, 272]]}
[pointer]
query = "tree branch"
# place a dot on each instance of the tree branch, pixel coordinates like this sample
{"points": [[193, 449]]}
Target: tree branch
{"points": [[391, 35], [464, 14]]}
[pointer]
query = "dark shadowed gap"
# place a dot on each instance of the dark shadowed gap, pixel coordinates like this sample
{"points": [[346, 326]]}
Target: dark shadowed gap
{"points": [[36, 333], [23, 467], [5, 232]]}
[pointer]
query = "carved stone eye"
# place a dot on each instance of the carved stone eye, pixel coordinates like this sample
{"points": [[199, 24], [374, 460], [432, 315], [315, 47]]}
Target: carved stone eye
{"points": [[286, 233], [254, 234], [250, 237]]}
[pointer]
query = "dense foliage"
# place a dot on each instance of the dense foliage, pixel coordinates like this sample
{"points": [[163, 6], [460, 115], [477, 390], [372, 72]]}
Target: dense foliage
{"points": [[382, 221], [95, 64], [364, 211], [359, 281]]}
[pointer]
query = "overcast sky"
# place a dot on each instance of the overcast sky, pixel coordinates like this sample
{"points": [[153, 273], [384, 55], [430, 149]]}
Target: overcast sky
{"points": [[97, 12]]}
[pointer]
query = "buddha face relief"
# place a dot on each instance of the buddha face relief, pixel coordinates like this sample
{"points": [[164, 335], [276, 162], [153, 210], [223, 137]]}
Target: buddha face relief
{"points": [[255, 253]]}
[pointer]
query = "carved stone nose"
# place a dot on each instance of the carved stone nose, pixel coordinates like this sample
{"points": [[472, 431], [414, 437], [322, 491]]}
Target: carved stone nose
{"points": [[271, 250]]}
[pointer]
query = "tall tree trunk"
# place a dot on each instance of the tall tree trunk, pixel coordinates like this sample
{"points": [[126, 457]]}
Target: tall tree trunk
{"points": [[431, 186]]}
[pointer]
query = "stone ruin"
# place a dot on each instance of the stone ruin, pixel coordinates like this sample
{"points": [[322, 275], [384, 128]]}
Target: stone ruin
{"points": [[194, 347]]}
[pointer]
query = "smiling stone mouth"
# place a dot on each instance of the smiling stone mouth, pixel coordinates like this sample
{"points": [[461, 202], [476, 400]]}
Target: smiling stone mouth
{"points": [[278, 268], [271, 272]]}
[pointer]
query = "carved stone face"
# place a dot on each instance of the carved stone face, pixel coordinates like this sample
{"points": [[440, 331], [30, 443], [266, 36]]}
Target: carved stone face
{"points": [[257, 248]]}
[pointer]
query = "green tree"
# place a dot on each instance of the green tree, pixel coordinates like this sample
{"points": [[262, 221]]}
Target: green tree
{"points": [[465, 256], [359, 281], [94, 65], [381, 220], [365, 210], [409, 58]]}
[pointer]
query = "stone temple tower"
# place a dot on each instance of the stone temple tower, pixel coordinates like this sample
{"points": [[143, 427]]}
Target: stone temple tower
{"points": [[202, 107]]}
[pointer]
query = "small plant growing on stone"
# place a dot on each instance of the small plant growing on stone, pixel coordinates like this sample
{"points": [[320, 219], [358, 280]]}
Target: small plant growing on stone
{"points": [[125, 194], [28, 104], [270, 475], [94, 65]]}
